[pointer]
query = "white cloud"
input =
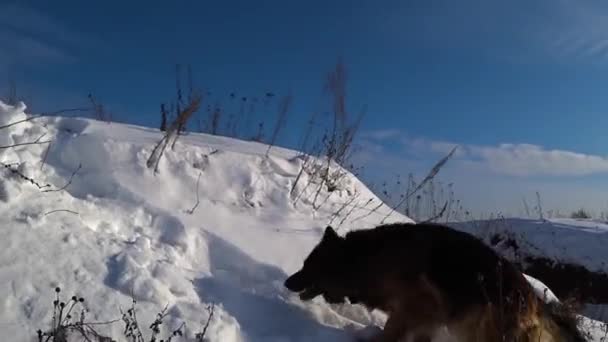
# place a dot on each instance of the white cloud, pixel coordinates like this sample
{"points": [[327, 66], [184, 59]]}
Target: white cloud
{"points": [[18, 49], [490, 179], [533, 160], [576, 29], [382, 134], [29, 37], [28, 21], [515, 31], [506, 159]]}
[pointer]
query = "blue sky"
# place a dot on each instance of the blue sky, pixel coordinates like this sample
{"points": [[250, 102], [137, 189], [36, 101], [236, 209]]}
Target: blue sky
{"points": [[521, 86]]}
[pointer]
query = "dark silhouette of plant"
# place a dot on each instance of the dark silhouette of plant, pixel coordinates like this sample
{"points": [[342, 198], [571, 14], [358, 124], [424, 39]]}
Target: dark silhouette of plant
{"points": [[580, 214], [283, 109]]}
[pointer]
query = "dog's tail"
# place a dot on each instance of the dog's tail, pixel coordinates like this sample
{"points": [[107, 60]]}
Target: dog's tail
{"points": [[560, 320]]}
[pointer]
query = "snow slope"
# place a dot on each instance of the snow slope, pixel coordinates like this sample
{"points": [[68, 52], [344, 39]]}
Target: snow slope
{"points": [[110, 229], [119, 230]]}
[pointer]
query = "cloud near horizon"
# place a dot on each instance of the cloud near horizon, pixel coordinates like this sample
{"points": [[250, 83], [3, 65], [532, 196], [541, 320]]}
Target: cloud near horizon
{"points": [[490, 178], [519, 160]]}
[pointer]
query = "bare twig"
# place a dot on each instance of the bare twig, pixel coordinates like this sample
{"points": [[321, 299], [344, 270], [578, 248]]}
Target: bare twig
{"points": [[35, 142], [16, 172], [155, 326], [539, 206], [157, 152], [429, 177], [191, 211], [177, 332], [302, 168], [99, 111], [351, 211], [12, 97], [68, 183], [370, 212], [200, 337], [295, 201], [132, 329], [103, 323], [46, 154], [324, 179], [62, 210], [68, 110], [172, 133], [438, 215], [342, 207], [34, 117], [62, 322], [20, 121], [281, 119]]}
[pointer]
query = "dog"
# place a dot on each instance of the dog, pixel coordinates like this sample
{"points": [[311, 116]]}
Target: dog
{"points": [[428, 276]]}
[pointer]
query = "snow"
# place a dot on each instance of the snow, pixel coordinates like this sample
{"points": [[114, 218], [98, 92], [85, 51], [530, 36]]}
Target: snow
{"points": [[597, 331], [581, 242], [115, 230], [120, 230], [565, 240], [541, 290]]}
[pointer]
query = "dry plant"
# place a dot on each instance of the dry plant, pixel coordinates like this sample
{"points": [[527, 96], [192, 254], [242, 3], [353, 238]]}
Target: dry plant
{"points": [[99, 112], [11, 97], [163, 118], [283, 109], [337, 142], [172, 133], [426, 180], [215, 120], [69, 319], [539, 206], [15, 169], [183, 109]]}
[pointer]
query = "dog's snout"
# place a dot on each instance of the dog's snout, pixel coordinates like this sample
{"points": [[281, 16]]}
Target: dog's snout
{"points": [[295, 282]]}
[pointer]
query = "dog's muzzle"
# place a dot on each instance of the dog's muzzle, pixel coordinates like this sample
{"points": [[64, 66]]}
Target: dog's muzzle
{"points": [[298, 283]]}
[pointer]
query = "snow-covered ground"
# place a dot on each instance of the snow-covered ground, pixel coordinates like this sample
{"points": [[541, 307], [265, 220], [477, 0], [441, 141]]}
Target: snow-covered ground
{"points": [[581, 242], [114, 230], [560, 240]]}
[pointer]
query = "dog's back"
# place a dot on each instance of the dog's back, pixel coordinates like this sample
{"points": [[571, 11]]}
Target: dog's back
{"points": [[460, 265], [481, 295]]}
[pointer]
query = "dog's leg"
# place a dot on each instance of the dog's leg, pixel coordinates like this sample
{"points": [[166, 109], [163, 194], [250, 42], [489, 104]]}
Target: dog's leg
{"points": [[415, 308]]}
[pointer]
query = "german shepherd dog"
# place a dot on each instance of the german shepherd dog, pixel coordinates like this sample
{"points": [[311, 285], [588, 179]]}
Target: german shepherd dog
{"points": [[427, 276]]}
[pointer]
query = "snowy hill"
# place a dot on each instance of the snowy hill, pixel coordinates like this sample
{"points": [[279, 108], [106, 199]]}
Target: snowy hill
{"points": [[119, 230], [220, 223]]}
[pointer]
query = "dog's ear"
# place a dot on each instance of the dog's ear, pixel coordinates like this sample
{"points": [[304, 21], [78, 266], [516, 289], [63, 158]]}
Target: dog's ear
{"points": [[330, 234]]}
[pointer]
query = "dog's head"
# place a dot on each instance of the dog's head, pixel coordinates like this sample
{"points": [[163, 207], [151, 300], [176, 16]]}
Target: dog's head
{"points": [[323, 272]]}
